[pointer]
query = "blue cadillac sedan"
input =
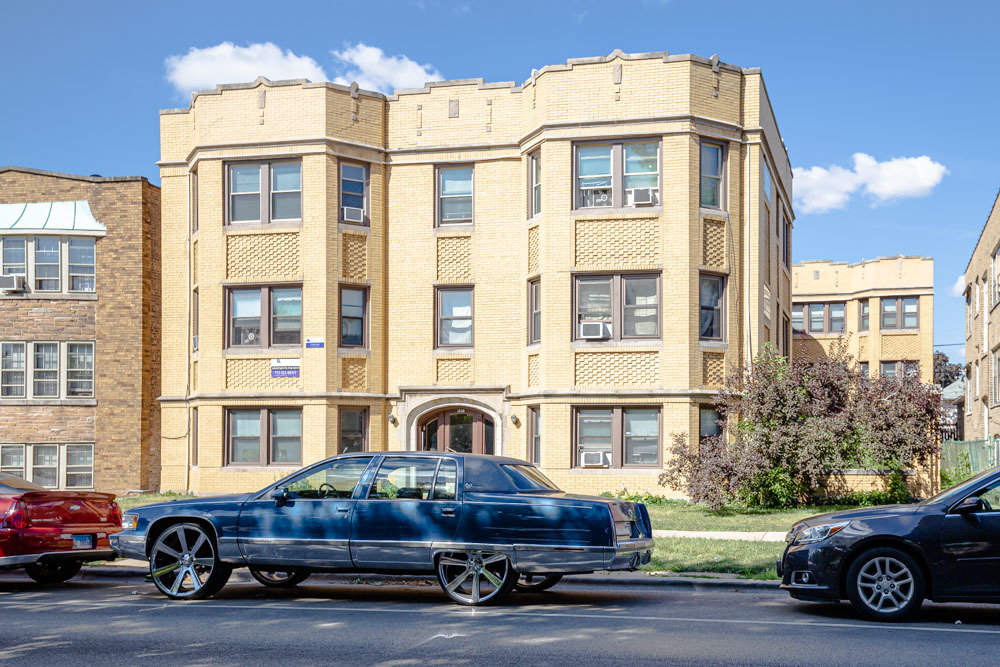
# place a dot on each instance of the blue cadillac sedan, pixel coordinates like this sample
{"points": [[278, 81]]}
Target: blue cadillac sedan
{"points": [[484, 524]]}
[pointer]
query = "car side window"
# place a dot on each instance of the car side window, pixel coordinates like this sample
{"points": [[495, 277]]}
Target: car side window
{"points": [[991, 498], [404, 479], [336, 479], [447, 480]]}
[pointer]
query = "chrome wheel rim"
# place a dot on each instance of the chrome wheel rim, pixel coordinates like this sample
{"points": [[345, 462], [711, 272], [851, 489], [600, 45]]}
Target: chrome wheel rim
{"points": [[182, 560], [885, 584], [473, 577]]}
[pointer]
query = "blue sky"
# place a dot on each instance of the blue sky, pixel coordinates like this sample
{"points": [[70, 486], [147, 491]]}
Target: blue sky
{"points": [[910, 84]]}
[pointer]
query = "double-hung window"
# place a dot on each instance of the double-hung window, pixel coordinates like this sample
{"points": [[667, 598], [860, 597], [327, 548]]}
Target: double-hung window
{"points": [[711, 174], [14, 256], [264, 437], [265, 192], [786, 244], [798, 322], [49, 464], [818, 317], [617, 306], [618, 175], [353, 430], [265, 317], [45, 370], [708, 422], [81, 263], [12, 370], [900, 313], [534, 435], [454, 195], [863, 315], [353, 179], [47, 264], [80, 370], [534, 311], [711, 300], [353, 307], [454, 317], [900, 369], [617, 437], [535, 184]]}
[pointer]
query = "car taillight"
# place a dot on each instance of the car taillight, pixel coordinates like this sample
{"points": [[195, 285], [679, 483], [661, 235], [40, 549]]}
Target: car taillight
{"points": [[116, 514], [16, 516]]}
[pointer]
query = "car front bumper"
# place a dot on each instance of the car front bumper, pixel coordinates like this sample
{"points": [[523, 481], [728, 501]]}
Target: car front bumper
{"points": [[812, 571], [80, 554], [129, 545]]}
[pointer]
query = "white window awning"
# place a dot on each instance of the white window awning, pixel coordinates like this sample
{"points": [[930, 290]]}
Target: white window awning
{"points": [[50, 217]]}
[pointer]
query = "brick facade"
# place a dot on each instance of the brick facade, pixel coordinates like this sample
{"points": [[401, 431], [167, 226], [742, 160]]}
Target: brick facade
{"points": [[982, 333]]}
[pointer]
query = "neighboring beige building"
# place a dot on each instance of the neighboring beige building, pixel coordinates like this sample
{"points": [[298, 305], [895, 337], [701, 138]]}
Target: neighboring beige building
{"points": [[982, 333], [561, 270], [884, 307]]}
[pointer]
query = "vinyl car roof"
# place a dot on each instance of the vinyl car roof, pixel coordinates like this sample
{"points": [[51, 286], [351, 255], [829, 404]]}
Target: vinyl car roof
{"points": [[482, 471]]}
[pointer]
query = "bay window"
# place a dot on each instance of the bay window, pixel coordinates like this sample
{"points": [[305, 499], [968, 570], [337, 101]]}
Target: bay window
{"points": [[617, 175], [263, 192], [616, 437]]}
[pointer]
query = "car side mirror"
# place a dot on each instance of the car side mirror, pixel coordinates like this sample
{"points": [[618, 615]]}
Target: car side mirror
{"points": [[970, 505], [280, 495]]}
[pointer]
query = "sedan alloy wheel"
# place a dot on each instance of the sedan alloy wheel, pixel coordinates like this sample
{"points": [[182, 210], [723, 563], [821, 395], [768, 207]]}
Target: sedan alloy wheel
{"points": [[476, 577], [885, 584], [184, 564]]}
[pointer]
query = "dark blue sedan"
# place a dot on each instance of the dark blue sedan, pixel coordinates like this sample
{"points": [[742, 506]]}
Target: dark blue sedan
{"points": [[484, 524]]}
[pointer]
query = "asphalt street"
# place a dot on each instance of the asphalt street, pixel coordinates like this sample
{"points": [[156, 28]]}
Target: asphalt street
{"points": [[124, 621]]}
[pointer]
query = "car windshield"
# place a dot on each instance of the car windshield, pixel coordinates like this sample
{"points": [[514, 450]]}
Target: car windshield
{"points": [[960, 489], [11, 484], [529, 478]]}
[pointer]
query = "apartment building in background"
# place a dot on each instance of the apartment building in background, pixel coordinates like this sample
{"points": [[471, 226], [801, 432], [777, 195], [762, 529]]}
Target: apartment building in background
{"points": [[883, 307], [561, 270], [982, 333], [79, 330]]}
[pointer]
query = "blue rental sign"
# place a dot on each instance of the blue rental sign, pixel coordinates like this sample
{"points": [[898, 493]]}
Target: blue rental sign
{"points": [[314, 342], [284, 368]]}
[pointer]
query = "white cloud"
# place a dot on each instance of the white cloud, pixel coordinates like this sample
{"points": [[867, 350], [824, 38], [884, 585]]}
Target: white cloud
{"points": [[374, 70], [819, 189], [227, 63], [958, 289]]}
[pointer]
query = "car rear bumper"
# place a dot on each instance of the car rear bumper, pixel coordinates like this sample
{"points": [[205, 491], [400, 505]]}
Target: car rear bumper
{"points": [[81, 555], [561, 559]]}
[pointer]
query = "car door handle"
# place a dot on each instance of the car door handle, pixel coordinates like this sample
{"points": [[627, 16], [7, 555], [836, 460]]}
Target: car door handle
{"points": [[343, 509], [447, 511]]}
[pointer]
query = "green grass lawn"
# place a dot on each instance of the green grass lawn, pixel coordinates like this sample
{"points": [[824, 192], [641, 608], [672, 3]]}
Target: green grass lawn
{"points": [[753, 560], [130, 502], [680, 515]]}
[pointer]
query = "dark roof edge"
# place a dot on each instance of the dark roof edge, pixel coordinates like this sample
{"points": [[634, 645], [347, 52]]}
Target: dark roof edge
{"points": [[75, 177]]}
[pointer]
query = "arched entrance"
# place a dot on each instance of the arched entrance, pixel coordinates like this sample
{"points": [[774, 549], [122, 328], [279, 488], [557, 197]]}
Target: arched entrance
{"points": [[457, 430]]}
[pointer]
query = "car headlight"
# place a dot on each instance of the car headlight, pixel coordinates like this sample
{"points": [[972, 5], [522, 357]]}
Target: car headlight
{"points": [[130, 521], [812, 534]]}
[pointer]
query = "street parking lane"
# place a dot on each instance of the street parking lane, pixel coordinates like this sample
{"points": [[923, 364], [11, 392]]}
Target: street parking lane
{"points": [[364, 624]]}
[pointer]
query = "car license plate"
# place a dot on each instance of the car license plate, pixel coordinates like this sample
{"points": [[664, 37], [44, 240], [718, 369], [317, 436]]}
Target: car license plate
{"points": [[83, 541]]}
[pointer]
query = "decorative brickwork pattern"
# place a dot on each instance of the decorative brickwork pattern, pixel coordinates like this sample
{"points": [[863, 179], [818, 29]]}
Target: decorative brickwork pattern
{"points": [[454, 372], [194, 262], [617, 243], [899, 348], [255, 375], [714, 244], [532, 370], [863, 348], [454, 259], [353, 374], [533, 251], [615, 368], [713, 369], [354, 258], [269, 255]]}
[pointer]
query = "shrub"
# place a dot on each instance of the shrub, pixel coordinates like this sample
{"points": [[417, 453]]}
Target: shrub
{"points": [[959, 473], [637, 497]]}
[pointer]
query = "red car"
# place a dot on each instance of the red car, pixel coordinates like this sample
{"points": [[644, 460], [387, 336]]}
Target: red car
{"points": [[51, 533]]}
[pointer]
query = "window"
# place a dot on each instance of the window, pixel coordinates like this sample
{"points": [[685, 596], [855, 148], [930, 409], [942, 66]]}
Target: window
{"points": [[45, 370], [194, 437], [535, 184], [265, 437], [353, 430], [968, 312], [786, 244], [265, 192], [617, 437], [767, 181], [534, 435], [80, 370], [353, 306], [900, 369], [454, 317], [14, 256], [996, 377], [353, 178], [404, 479], [79, 466], [334, 479], [863, 368], [454, 195], [818, 317], [534, 311], [284, 322], [45, 465], [618, 175], [710, 306], [711, 175], [12, 460], [446, 484], [617, 306], [82, 264], [785, 335], [891, 309], [194, 202], [55, 466], [12, 375], [194, 320], [47, 263], [863, 315], [708, 418]]}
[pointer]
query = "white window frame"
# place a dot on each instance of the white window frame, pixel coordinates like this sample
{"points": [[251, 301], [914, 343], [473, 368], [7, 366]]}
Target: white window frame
{"points": [[34, 369], [93, 369], [62, 466], [65, 277], [534, 183], [364, 192], [62, 374], [618, 174], [58, 264], [69, 273], [264, 192], [24, 265], [440, 196], [24, 369]]}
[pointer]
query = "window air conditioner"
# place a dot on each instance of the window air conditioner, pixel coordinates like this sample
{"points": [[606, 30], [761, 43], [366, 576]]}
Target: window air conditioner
{"points": [[12, 283], [592, 459], [353, 214], [594, 330], [642, 197]]}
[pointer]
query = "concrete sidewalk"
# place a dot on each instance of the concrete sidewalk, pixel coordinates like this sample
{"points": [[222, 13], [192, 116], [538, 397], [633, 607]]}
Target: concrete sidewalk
{"points": [[723, 535]]}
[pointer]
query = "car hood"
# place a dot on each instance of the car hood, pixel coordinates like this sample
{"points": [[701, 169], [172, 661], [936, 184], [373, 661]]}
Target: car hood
{"points": [[861, 513], [187, 502]]}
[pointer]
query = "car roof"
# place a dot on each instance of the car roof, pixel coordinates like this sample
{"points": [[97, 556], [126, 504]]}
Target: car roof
{"points": [[501, 460]]}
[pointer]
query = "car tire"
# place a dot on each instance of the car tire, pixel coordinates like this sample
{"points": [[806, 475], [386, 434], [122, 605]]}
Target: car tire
{"points": [[476, 578], [885, 584], [53, 572], [184, 563], [278, 578], [528, 583]]}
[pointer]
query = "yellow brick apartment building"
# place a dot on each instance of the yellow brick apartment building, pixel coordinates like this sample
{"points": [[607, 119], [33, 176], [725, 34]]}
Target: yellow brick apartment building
{"points": [[883, 307], [560, 271], [982, 333]]}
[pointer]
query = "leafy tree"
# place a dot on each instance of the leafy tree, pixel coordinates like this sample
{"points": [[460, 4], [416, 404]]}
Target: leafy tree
{"points": [[945, 372], [788, 424]]}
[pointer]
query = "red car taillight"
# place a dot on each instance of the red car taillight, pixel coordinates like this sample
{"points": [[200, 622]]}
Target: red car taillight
{"points": [[16, 516], [116, 514]]}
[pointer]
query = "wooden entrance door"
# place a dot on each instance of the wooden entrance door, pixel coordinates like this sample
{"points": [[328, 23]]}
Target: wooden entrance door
{"points": [[457, 430]]}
